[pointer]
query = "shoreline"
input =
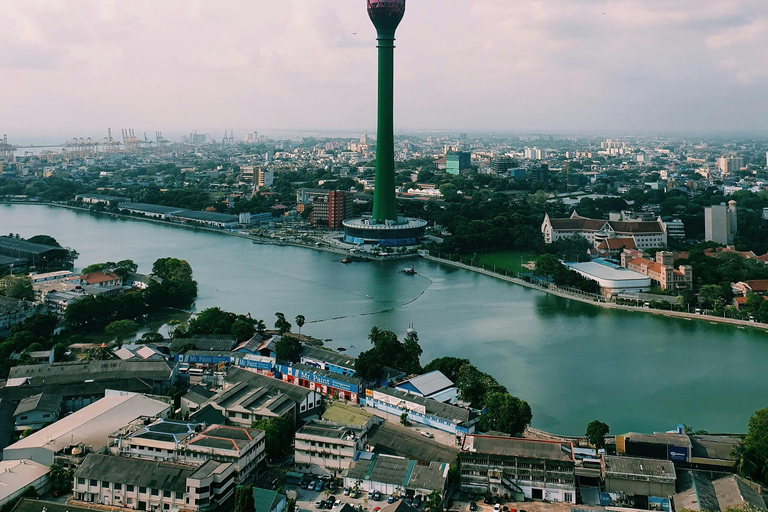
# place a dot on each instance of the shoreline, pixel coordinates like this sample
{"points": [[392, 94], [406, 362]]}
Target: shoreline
{"points": [[552, 290], [254, 239]]}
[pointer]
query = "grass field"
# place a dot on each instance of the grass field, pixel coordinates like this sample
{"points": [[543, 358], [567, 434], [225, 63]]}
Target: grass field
{"points": [[507, 260]]}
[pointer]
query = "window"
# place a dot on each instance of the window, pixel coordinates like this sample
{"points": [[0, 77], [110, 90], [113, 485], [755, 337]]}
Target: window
{"points": [[105, 484], [129, 487], [118, 487], [166, 506], [166, 494], [81, 481], [568, 497], [142, 490], [94, 483], [154, 492], [179, 495]]}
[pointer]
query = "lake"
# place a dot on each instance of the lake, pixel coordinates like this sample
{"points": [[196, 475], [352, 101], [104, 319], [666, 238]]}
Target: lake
{"points": [[572, 362]]}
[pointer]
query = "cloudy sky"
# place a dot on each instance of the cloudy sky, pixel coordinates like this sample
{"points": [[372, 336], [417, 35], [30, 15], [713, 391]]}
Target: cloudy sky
{"points": [[76, 68]]}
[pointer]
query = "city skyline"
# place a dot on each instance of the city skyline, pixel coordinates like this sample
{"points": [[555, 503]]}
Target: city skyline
{"points": [[489, 66]]}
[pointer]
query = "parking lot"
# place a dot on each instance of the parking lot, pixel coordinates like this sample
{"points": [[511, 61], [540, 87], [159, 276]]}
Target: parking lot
{"points": [[307, 499]]}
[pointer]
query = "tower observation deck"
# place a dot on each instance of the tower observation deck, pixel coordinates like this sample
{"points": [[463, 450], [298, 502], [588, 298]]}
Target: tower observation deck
{"points": [[385, 227]]}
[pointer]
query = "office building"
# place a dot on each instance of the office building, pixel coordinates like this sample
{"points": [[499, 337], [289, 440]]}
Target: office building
{"points": [[507, 466], [146, 485], [720, 223], [326, 447], [455, 162]]}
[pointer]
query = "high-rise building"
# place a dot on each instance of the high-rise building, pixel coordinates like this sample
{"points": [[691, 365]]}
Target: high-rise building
{"points": [[730, 164], [330, 210], [266, 178], [457, 161], [720, 223], [503, 164]]}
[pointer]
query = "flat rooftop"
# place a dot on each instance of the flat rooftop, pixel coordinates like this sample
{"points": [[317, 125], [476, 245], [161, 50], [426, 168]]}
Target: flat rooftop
{"points": [[608, 271]]}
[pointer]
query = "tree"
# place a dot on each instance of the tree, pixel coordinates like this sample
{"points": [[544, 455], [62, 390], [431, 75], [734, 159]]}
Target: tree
{"points": [[120, 330], [596, 432], [368, 366], [288, 348], [434, 502], [506, 413], [152, 337], [17, 287], [278, 435], [300, 322], [744, 461], [243, 329], [244, 499], [448, 366], [281, 324], [755, 448], [44, 240], [547, 265], [711, 296], [404, 420], [261, 327]]}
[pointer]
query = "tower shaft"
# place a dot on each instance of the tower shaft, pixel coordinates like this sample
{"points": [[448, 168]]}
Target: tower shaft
{"points": [[384, 199]]}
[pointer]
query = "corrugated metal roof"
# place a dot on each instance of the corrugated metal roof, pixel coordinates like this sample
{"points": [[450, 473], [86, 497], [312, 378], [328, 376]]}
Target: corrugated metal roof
{"points": [[430, 383]]}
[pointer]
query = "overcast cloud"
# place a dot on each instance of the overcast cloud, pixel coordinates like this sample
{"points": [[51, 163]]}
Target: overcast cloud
{"points": [[462, 65]]}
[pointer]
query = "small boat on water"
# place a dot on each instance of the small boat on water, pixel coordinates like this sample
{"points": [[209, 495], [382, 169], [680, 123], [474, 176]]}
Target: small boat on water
{"points": [[409, 271]]}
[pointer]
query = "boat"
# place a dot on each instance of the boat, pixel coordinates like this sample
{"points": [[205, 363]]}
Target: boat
{"points": [[346, 260], [409, 271]]}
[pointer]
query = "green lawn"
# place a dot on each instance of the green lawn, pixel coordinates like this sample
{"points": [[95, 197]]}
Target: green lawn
{"points": [[508, 260]]}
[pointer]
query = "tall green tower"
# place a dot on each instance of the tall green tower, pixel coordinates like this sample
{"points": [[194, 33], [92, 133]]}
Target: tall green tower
{"points": [[386, 16]]}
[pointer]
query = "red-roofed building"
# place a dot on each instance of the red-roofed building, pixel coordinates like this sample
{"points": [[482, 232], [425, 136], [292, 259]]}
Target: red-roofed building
{"points": [[744, 288], [645, 234], [101, 278], [662, 271], [613, 247]]}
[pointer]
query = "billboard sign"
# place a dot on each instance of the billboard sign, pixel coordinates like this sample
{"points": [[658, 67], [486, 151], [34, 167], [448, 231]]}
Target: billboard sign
{"points": [[677, 453]]}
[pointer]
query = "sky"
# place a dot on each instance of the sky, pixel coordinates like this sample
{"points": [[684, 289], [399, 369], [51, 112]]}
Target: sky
{"points": [[72, 69]]}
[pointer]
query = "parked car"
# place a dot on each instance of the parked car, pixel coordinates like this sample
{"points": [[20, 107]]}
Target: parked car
{"points": [[338, 504], [497, 508], [329, 502], [354, 493], [319, 486], [325, 477], [390, 499], [370, 494], [473, 506], [417, 500], [304, 484], [319, 504], [427, 435], [312, 484], [347, 491], [333, 486], [377, 496]]}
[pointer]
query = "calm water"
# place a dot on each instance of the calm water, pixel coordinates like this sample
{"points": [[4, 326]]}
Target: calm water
{"points": [[572, 362]]}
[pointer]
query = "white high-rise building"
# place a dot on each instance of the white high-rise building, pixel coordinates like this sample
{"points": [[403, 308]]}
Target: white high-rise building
{"points": [[720, 223]]}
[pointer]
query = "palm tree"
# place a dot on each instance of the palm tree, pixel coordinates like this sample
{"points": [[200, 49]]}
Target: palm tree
{"points": [[374, 334], [300, 322], [744, 461]]}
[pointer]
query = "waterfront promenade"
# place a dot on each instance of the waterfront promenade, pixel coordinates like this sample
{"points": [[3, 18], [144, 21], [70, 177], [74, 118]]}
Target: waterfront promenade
{"points": [[588, 298]]}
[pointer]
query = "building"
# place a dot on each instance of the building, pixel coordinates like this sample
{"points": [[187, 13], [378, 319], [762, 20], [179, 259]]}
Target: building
{"points": [[507, 466], [265, 500], [153, 211], [328, 383], [145, 485], [307, 401], [328, 360], [720, 223], [645, 234], [265, 179], [16, 476], [188, 442], [87, 430], [207, 219], [613, 279], [243, 404], [662, 271], [101, 199], [330, 210], [389, 475], [323, 447], [708, 493], [637, 477], [432, 385], [457, 161], [82, 383], [730, 164], [101, 278], [37, 411], [391, 438], [501, 166], [744, 288], [425, 411], [352, 415], [385, 227], [39, 256]]}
